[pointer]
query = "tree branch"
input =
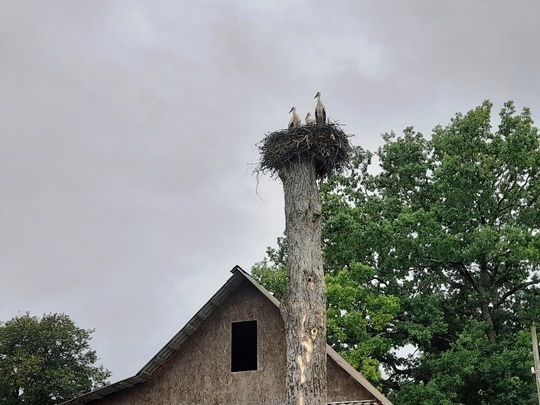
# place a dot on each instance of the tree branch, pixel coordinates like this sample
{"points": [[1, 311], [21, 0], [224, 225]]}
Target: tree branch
{"points": [[513, 290]]}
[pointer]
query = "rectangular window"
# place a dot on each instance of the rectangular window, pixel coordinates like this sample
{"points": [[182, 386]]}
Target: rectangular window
{"points": [[244, 346]]}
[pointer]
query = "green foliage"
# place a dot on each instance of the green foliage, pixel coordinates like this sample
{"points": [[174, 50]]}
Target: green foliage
{"points": [[475, 371], [357, 319], [46, 361], [447, 233], [271, 272]]}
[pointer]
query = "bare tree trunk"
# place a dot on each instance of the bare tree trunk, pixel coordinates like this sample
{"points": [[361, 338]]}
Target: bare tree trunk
{"points": [[300, 156], [304, 305], [536, 359]]}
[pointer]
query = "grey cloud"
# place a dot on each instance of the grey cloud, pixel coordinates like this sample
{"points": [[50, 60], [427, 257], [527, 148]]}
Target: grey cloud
{"points": [[128, 130]]}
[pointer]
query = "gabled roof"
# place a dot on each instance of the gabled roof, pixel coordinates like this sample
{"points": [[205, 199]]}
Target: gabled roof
{"points": [[174, 344]]}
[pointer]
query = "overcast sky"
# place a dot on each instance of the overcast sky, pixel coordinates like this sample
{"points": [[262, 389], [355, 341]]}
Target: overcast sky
{"points": [[129, 130]]}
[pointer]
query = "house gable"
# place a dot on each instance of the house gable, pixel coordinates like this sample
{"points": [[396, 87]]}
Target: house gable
{"points": [[195, 366]]}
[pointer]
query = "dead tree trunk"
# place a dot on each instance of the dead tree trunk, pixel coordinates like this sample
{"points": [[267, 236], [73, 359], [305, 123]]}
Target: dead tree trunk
{"points": [[300, 156], [304, 305]]}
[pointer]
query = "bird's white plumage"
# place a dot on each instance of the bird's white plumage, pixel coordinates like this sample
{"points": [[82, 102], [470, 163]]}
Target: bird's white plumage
{"points": [[320, 110], [295, 120], [310, 119]]}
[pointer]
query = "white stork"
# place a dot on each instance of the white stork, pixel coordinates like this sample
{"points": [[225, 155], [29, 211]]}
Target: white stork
{"points": [[295, 119], [310, 120], [320, 110]]}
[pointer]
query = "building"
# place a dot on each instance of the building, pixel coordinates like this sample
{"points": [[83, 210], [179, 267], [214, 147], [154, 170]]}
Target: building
{"points": [[231, 352]]}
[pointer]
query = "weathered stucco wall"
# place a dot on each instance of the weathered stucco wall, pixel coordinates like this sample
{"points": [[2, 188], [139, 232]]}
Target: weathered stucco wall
{"points": [[200, 372]]}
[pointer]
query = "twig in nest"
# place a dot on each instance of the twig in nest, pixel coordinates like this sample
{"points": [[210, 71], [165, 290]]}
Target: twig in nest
{"points": [[326, 144]]}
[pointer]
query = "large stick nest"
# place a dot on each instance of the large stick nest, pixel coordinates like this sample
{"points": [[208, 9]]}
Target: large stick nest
{"points": [[326, 144]]}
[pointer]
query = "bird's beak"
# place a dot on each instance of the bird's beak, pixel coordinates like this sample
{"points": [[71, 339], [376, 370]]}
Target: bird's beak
{"points": [[291, 110]]}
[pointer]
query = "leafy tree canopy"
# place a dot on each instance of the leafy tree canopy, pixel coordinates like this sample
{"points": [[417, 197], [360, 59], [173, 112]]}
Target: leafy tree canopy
{"points": [[439, 252], [46, 360]]}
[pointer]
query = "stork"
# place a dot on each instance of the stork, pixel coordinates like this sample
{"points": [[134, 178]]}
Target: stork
{"points": [[320, 110], [310, 120], [295, 119]]}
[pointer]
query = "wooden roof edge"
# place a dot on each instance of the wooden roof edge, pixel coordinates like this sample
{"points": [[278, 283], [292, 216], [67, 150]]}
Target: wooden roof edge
{"points": [[189, 328], [354, 373], [264, 291], [105, 390]]}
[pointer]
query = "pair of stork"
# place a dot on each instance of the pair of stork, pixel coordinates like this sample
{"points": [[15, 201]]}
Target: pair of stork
{"points": [[320, 114]]}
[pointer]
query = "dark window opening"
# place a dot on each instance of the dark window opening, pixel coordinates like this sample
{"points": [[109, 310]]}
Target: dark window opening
{"points": [[244, 346]]}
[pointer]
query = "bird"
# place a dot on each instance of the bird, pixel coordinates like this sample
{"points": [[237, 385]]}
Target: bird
{"points": [[295, 120], [310, 120], [320, 110]]}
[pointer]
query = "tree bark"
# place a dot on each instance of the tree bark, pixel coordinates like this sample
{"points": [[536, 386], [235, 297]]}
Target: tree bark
{"points": [[303, 307]]}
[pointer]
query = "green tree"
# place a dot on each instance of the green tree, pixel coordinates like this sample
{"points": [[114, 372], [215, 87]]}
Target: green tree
{"points": [[46, 360], [450, 227]]}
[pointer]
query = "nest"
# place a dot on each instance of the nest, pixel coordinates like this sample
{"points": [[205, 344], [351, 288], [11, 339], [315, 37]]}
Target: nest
{"points": [[326, 144]]}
